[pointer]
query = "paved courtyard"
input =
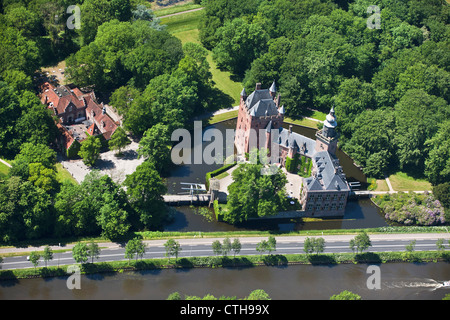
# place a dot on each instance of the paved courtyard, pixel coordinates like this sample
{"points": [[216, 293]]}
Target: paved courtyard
{"points": [[292, 187], [116, 167]]}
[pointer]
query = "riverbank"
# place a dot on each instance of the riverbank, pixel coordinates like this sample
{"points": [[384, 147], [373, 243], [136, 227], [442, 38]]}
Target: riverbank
{"points": [[231, 262]]}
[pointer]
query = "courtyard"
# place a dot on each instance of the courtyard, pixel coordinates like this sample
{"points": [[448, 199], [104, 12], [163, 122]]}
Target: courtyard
{"points": [[108, 163]]}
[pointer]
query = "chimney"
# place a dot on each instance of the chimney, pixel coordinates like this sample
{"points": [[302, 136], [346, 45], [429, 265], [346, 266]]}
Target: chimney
{"points": [[258, 86], [290, 128]]}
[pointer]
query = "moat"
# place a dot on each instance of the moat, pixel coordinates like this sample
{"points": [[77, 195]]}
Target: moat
{"points": [[361, 213]]}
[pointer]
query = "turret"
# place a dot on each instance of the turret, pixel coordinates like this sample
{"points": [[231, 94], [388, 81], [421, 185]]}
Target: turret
{"points": [[273, 90]]}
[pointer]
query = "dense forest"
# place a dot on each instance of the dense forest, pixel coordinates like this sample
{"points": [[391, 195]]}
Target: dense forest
{"points": [[121, 49], [389, 87]]}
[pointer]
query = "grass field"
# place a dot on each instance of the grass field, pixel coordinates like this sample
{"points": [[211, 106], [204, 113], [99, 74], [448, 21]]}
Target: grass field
{"points": [[4, 169], [162, 11], [402, 182], [62, 174], [185, 28]]}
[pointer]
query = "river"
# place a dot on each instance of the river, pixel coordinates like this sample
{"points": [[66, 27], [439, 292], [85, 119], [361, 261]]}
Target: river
{"points": [[398, 281]]}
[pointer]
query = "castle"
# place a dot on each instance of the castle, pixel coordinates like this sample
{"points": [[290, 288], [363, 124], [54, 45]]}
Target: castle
{"points": [[325, 192]]}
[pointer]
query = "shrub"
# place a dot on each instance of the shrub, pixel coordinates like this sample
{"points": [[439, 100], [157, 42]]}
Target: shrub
{"points": [[412, 209]]}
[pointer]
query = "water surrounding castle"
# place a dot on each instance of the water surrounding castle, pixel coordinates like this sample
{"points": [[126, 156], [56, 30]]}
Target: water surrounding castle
{"points": [[325, 192]]}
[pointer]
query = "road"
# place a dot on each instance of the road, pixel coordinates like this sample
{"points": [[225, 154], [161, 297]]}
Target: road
{"points": [[202, 247]]}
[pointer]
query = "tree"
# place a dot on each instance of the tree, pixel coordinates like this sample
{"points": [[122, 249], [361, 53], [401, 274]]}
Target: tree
{"points": [[90, 150], [236, 247], [371, 143], [226, 246], [440, 245], [154, 146], [217, 247], [93, 251], [80, 252], [145, 189], [417, 115], [173, 248], [261, 247], [47, 255], [113, 218], [26, 211], [345, 295], [134, 248], [314, 245], [437, 165], [258, 294], [271, 244], [360, 243], [34, 258], [42, 177], [119, 140], [240, 43], [254, 195]]}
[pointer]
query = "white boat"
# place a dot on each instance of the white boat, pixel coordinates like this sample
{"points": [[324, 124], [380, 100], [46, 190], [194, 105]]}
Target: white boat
{"points": [[446, 284]]}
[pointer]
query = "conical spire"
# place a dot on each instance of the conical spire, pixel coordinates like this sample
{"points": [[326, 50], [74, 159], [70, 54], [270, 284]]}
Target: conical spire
{"points": [[273, 87], [243, 93]]}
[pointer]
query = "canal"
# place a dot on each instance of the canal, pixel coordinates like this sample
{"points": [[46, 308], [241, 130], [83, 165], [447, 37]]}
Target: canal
{"points": [[398, 281], [361, 213]]}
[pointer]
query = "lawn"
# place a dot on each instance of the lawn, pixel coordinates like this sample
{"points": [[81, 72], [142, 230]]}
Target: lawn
{"points": [[161, 11], [4, 169], [303, 122], [223, 116], [185, 28], [402, 182], [62, 174]]}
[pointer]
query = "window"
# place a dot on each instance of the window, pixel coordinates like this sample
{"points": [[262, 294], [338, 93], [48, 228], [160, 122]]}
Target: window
{"points": [[327, 197], [326, 207], [317, 206]]}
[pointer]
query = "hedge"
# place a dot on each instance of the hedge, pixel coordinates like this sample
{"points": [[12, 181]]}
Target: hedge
{"points": [[216, 172]]}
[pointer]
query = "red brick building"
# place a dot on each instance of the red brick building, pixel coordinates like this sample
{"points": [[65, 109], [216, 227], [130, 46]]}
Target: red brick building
{"points": [[79, 115], [259, 125]]}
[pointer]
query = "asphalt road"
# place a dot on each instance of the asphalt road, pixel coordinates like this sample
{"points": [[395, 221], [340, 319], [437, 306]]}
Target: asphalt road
{"points": [[202, 247]]}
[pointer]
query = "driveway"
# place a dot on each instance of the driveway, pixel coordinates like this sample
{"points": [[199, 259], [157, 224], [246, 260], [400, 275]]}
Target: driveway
{"points": [[116, 167]]}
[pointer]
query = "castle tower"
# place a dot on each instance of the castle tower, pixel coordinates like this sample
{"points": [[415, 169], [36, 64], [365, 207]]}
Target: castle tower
{"points": [[327, 138], [257, 112]]}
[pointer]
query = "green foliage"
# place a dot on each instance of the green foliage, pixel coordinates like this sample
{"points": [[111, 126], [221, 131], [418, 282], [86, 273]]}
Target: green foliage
{"points": [[173, 248], [154, 147], [80, 252], [240, 43], [360, 243], [90, 150], [252, 194], [134, 248], [145, 189], [216, 172], [119, 140], [346, 295]]}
